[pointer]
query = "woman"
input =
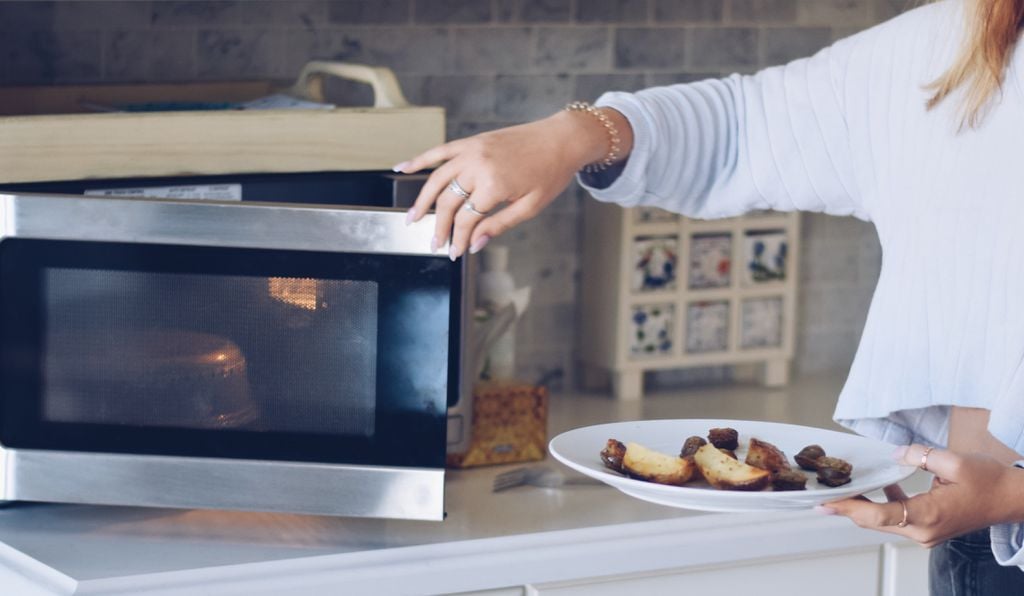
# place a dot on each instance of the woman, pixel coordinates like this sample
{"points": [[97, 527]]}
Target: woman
{"points": [[915, 125]]}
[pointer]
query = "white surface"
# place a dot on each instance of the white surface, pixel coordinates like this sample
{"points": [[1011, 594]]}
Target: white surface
{"points": [[521, 536], [873, 467]]}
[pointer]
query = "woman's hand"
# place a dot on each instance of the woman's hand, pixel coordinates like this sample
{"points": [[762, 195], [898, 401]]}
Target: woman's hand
{"points": [[968, 492], [525, 166]]}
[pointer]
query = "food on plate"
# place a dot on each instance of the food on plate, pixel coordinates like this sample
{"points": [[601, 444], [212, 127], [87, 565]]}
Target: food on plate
{"points": [[764, 455], [808, 457], [654, 466], [724, 438], [833, 471], [723, 472], [691, 445], [612, 455], [713, 460], [789, 479]]}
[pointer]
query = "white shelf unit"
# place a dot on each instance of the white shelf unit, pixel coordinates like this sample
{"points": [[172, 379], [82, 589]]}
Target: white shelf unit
{"points": [[638, 317]]}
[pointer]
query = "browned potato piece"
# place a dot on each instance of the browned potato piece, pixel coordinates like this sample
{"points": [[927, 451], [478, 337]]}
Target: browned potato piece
{"points": [[833, 471], [808, 457], [729, 452], [691, 445], [789, 479], [653, 466], [835, 463], [764, 455], [612, 455], [723, 472], [724, 438], [832, 477]]}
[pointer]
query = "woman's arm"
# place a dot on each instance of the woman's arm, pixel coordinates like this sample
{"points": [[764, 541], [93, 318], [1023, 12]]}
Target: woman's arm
{"points": [[779, 139]]}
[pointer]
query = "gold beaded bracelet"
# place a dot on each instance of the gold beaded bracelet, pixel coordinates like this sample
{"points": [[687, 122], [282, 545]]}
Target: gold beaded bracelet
{"points": [[614, 149]]}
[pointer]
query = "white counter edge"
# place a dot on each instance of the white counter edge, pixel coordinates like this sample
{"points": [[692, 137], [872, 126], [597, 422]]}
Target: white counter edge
{"points": [[675, 543]]}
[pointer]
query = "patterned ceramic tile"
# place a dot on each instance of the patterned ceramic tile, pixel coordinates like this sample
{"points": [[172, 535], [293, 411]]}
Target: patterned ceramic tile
{"points": [[761, 323], [710, 261], [647, 215], [651, 330], [707, 326], [765, 254], [655, 261]]}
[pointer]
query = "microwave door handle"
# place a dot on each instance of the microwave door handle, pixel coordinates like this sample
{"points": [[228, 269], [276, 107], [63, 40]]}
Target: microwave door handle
{"points": [[386, 91]]}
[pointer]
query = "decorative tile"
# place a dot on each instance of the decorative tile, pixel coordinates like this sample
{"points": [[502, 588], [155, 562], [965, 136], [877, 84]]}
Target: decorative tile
{"points": [[647, 215], [765, 257], [761, 323], [710, 261], [651, 330], [655, 263], [707, 327]]}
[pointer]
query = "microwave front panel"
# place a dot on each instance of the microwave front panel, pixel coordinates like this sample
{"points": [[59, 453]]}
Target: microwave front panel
{"points": [[226, 352]]}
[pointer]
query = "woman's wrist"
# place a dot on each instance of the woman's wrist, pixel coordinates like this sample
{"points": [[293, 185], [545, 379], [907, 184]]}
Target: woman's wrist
{"points": [[588, 139]]}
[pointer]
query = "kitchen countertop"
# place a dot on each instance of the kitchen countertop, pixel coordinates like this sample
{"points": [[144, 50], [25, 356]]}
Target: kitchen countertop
{"points": [[489, 540]]}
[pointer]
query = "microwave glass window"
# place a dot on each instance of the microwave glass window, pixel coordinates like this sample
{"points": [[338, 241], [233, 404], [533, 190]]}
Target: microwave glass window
{"points": [[204, 351]]}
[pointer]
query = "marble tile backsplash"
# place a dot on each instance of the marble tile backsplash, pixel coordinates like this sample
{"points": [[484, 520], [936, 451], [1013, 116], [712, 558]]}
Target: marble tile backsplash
{"points": [[490, 63]]}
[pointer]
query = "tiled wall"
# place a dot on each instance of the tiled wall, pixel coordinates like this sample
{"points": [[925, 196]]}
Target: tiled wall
{"points": [[489, 63]]}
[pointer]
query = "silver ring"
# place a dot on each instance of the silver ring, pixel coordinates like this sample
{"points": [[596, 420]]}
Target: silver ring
{"points": [[468, 206], [456, 188]]}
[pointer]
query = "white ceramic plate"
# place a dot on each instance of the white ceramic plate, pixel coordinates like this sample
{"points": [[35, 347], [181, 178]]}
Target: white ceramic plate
{"points": [[873, 467]]}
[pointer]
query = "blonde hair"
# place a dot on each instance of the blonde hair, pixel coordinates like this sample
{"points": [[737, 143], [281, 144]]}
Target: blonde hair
{"points": [[993, 27]]}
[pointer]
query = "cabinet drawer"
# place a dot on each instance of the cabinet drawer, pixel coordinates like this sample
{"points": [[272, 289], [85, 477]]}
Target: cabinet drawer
{"points": [[845, 573]]}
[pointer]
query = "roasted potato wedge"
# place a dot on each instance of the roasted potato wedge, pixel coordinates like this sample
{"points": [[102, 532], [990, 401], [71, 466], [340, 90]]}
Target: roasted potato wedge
{"points": [[723, 472], [654, 466], [764, 455], [612, 455]]}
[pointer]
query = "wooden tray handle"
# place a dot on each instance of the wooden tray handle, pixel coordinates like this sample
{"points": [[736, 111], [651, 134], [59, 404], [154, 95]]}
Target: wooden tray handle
{"points": [[386, 91]]}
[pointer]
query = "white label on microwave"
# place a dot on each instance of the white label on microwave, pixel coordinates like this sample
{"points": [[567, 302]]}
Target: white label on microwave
{"points": [[198, 192]]}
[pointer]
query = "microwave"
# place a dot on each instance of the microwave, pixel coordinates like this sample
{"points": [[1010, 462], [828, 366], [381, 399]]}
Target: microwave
{"points": [[246, 352]]}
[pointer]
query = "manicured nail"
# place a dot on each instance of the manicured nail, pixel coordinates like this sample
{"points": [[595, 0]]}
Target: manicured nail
{"points": [[454, 252], [823, 510], [479, 245], [410, 216], [433, 245], [899, 453], [399, 168]]}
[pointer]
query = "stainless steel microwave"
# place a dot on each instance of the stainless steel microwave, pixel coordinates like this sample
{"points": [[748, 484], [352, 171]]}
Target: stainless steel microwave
{"points": [[225, 354]]}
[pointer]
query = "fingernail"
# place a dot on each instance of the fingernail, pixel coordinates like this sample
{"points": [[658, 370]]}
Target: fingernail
{"points": [[433, 245], [410, 216], [899, 453], [823, 510], [454, 252], [399, 168], [479, 245]]}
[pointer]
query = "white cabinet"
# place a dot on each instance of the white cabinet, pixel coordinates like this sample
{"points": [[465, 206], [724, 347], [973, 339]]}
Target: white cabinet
{"points": [[661, 291], [906, 569], [845, 573]]}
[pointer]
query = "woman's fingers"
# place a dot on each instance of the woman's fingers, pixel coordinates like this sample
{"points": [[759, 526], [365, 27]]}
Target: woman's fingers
{"points": [[445, 210], [875, 516], [434, 155], [436, 183], [495, 225], [944, 464], [483, 201], [894, 492]]}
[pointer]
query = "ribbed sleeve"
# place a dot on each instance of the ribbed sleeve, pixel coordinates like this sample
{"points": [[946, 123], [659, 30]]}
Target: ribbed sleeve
{"points": [[718, 148]]}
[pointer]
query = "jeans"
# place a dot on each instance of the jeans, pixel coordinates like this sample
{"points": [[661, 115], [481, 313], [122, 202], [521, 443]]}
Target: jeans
{"points": [[965, 566]]}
